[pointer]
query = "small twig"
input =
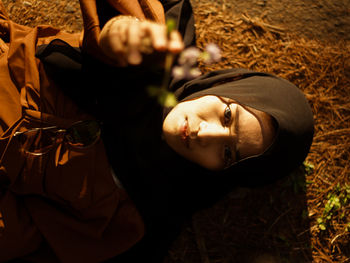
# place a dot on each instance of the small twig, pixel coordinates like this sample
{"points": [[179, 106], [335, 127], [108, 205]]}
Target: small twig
{"points": [[335, 132], [336, 237], [260, 23]]}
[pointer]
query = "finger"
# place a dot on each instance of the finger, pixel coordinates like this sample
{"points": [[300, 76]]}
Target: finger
{"points": [[115, 39], [176, 43], [119, 38], [116, 50], [158, 35], [123, 32], [133, 43]]}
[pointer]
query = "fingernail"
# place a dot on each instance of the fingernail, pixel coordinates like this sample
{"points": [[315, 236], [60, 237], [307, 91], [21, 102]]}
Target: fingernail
{"points": [[134, 57], [160, 44], [176, 46]]}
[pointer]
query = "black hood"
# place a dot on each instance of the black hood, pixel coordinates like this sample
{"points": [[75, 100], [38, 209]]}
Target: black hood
{"points": [[273, 95]]}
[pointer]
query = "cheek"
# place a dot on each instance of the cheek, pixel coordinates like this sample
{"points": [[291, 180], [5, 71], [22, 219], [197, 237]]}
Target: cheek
{"points": [[251, 140], [206, 157], [172, 121]]}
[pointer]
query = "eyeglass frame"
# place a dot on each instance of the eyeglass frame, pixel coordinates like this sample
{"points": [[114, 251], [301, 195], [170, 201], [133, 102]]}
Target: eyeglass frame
{"points": [[59, 131]]}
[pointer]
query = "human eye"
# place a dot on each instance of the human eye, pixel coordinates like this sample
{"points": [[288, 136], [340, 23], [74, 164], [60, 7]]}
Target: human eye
{"points": [[227, 115]]}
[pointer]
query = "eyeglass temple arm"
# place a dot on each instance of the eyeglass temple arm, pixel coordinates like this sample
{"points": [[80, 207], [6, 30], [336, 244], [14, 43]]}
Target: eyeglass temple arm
{"points": [[36, 129]]}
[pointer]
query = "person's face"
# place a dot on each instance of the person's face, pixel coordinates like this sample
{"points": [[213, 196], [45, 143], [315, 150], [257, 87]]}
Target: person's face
{"points": [[215, 132]]}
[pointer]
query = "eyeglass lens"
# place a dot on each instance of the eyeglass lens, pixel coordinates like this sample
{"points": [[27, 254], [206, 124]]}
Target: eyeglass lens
{"points": [[83, 133]]}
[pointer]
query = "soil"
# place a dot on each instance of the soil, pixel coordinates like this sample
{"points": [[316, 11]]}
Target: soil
{"points": [[327, 20]]}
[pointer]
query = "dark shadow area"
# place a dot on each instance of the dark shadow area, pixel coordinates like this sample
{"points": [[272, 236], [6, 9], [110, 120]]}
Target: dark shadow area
{"points": [[267, 224]]}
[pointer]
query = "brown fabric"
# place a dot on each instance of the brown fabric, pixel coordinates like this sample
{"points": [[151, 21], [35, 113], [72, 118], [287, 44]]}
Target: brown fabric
{"points": [[3, 13], [128, 7], [153, 10], [62, 206]]}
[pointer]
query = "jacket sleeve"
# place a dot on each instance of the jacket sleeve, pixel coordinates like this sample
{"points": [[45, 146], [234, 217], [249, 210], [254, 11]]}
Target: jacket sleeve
{"points": [[97, 13]]}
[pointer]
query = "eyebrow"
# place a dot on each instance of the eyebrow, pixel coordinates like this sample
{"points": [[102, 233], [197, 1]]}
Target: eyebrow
{"points": [[236, 124]]}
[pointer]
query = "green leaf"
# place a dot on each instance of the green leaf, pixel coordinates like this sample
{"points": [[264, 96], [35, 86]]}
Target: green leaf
{"points": [[322, 227], [204, 56], [170, 100], [309, 167], [342, 215], [336, 203], [319, 220], [171, 25], [164, 97]]}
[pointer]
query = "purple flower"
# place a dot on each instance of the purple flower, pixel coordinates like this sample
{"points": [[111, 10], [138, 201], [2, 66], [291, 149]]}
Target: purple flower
{"points": [[194, 73], [186, 72], [189, 56], [178, 72], [213, 53]]}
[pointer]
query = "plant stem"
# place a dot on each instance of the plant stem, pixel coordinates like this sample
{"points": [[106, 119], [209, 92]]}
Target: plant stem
{"points": [[167, 70]]}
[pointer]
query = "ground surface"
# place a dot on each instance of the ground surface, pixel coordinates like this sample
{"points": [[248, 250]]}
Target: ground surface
{"points": [[322, 19], [307, 42], [328, 20]]}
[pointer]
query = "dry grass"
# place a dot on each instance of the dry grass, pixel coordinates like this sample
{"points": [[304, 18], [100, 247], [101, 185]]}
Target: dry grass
{"points": [[279, 223], [276, 223]]}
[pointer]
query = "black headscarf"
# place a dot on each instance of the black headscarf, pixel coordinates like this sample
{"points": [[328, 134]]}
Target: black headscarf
{"points": [[273, 95]]}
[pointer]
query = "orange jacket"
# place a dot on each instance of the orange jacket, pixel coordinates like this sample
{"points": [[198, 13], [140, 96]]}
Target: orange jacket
{"points": [[62, 206]]}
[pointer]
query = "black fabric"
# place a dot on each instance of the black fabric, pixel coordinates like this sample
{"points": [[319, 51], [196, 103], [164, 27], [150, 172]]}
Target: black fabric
{"points": [[165, 187], [131, 132], [147, 167], [63, 66], [268, 93]]}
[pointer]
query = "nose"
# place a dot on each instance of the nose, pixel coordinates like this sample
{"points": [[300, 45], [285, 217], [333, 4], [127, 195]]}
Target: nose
{"points": [[211, 132]]}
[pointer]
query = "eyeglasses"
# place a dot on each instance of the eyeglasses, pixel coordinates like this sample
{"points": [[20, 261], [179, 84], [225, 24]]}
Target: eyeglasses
{"points": [[39, 141]]}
